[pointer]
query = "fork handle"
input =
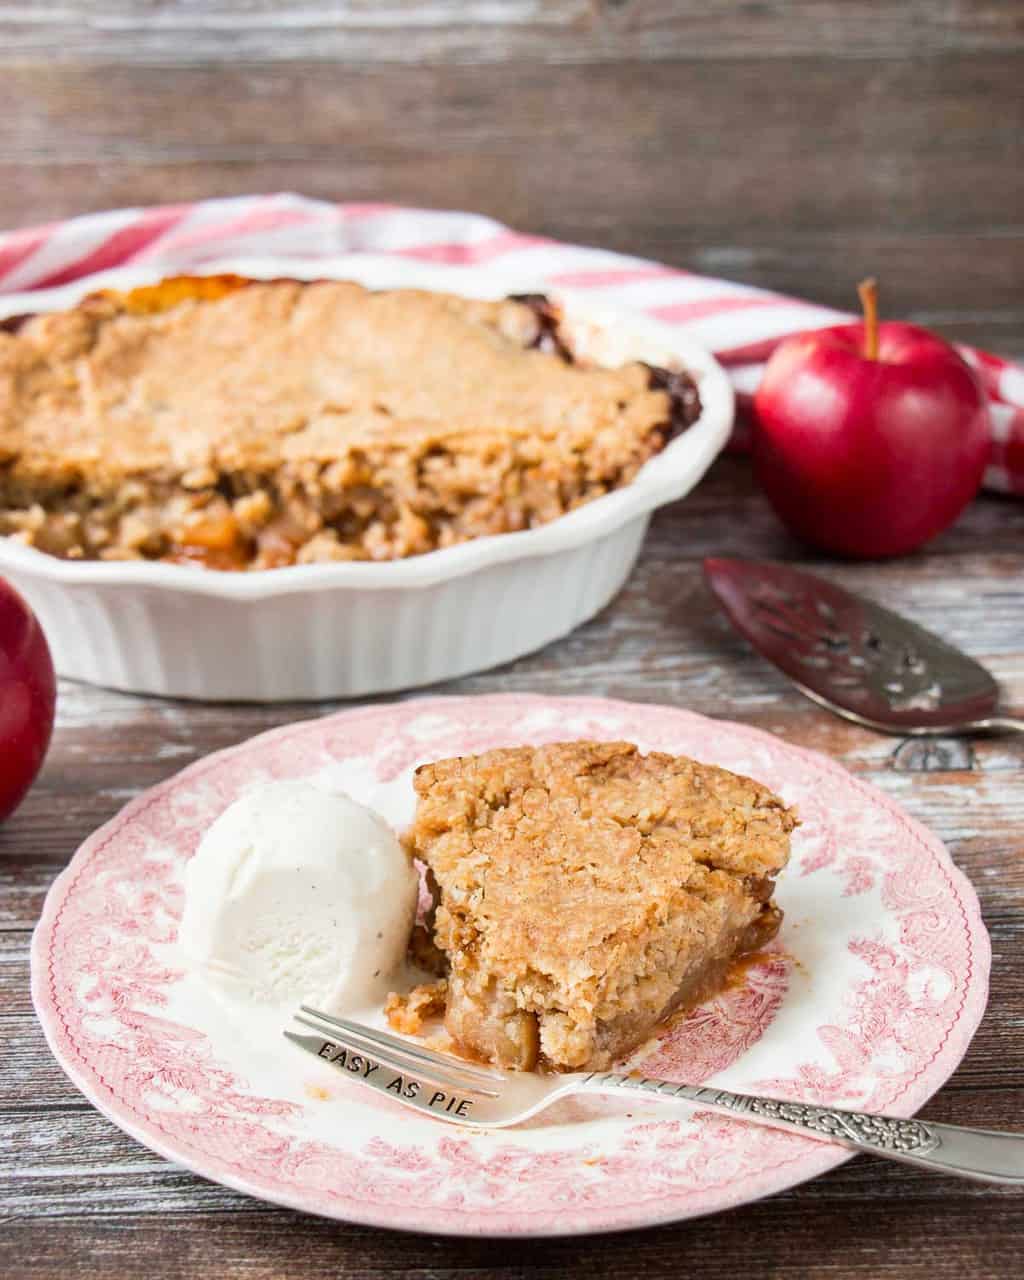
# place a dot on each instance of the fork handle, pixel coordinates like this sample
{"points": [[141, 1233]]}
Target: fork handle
{"points": [[985, 1155]]}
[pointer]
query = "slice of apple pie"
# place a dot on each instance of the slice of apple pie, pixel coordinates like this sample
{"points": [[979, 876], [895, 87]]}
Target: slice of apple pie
{"points": [[587, 891]]}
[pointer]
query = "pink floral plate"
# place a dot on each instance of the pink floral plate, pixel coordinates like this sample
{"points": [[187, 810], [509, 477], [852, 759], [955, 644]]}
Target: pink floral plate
{"points": [[869, 998]]}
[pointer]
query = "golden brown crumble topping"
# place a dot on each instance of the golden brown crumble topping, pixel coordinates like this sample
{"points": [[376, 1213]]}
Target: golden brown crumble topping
{"points": [[407, 1013], [243, 424], [586, 891]]}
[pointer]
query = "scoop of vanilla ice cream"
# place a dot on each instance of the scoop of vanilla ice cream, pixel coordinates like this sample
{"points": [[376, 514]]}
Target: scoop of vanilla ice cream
{"points": [[297, 894]]}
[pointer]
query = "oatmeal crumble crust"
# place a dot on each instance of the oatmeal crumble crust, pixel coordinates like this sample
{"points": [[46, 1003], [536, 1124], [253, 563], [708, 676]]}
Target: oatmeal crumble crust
{"points": [[588, 890], [407, 1013], [247, 424]]}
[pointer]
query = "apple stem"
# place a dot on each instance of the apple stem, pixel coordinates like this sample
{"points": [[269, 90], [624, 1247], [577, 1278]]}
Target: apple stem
{"points": [[868, 291]]}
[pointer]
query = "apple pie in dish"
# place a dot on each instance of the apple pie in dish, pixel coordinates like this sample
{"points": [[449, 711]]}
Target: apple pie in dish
{"points": [[586, 891], [251, 424]]}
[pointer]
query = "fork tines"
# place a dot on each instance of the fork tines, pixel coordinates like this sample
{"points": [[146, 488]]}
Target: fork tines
{"points": [[400, 1055]]}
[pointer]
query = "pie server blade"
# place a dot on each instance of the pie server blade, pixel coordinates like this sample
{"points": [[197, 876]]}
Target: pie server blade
{"points": [[854, 657]]}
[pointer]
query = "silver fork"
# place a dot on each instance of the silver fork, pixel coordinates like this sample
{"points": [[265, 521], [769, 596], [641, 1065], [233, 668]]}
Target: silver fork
{"points": [[465, 1093]]}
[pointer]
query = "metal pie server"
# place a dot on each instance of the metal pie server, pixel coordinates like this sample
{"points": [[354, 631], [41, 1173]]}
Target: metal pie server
{"points": [[854, 657]]}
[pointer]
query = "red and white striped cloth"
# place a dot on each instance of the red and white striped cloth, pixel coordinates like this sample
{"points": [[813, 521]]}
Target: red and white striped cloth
{"points": [[741, 325]]}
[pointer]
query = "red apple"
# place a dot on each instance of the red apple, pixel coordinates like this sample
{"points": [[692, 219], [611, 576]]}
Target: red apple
{"points": [[28, 694], [870, 439]]}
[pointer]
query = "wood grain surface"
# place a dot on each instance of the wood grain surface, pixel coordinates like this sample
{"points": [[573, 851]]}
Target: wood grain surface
{"points": [[79, 1199], [798, 146]]}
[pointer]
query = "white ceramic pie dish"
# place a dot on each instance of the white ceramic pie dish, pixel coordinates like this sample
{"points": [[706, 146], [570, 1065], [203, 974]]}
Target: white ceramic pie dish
{"points": [[344, 630]]}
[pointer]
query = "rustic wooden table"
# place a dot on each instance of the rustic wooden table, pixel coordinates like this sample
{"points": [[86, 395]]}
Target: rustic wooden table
{"points": [[797, 146], [81, 1199], [793, 144]]}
